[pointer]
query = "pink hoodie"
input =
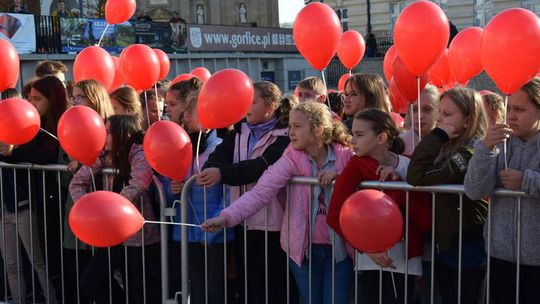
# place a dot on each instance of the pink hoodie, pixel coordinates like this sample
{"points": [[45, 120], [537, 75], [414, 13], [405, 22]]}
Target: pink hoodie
{"points": [[294, 237]]}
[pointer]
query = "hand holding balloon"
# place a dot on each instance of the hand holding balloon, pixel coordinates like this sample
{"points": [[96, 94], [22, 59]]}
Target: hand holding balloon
{"points": [[214, 224], [209, 177], [382, 259], [6, 149]]}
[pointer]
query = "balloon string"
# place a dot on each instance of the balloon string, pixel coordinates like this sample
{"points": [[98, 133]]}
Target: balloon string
{"points": [[48, 133], [505, 141], [147, 109], [157, 99], [169, 223], [197, 153], [326, 89], [103, 34], [394, 283], [350, 71], [419, 108], [93, 180], [411, 111]]}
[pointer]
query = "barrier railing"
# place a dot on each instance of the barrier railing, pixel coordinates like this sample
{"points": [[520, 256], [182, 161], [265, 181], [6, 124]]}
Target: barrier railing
{"points": [[433, 190], [49, 277]]}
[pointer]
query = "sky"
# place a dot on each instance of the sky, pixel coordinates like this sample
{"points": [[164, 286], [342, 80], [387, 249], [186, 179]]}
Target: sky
{"points": [[288, 9]]}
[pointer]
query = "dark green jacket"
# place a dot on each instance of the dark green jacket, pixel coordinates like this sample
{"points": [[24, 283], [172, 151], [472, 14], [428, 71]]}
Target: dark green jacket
{"points": [[426, 170]]}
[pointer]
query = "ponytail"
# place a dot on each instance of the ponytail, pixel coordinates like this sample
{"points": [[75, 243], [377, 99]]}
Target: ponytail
{"points": [[340, 134], [287, 103], [319, 116]]}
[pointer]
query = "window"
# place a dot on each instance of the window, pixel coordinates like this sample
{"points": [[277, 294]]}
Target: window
{"points": [[482, 12], [532, 5], [343, 15], [395, 10]]}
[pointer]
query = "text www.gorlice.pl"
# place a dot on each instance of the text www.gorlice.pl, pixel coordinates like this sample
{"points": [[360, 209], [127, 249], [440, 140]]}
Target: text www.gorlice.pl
{"points": [[248, 38]]}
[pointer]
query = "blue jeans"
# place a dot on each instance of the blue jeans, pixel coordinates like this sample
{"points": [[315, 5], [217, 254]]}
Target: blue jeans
{"points": [[321, 277]]}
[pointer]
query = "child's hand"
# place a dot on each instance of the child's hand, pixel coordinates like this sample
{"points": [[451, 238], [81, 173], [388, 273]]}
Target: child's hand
{"points": [[382, 259], [214, 224], [450, 130], [209, 177], [73, 166], [176, 186], [386, 173], [5, 149], [325, 178], [511, 178], [495, 134]]}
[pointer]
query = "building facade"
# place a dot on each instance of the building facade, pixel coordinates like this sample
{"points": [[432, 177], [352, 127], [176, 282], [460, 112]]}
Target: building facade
{"points": [[381, 15], [217, 12]]}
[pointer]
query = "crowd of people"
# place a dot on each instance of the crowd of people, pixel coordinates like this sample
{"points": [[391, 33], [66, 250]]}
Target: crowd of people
{"points": [[249, 237]]}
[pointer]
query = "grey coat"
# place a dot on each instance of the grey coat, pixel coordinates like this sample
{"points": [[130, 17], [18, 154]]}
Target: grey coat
{"points": [[483, 177]]}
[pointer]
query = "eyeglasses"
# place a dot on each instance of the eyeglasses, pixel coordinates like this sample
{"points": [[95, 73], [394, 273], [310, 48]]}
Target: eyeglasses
{"points": [[351, 94]]}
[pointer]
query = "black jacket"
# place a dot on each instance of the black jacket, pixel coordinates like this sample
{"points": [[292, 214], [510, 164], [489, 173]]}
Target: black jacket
{"points": [[246, 171], [40, 150]]}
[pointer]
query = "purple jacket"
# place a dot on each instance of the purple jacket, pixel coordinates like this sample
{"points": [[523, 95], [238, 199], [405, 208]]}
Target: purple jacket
{"points": [[274, 212], [294, 237]]}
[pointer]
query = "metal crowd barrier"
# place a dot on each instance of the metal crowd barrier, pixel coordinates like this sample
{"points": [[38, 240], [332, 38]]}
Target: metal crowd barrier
{"points": [[182, 295], [433, 190]]}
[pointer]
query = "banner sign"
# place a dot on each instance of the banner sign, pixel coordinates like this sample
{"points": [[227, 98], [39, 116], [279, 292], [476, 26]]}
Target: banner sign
{"points": [[213, 38], [160, 35], [19, 30], [78, 33]]}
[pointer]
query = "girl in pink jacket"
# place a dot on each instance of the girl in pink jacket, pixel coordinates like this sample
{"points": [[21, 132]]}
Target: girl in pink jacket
{"points": [[319, 148]]}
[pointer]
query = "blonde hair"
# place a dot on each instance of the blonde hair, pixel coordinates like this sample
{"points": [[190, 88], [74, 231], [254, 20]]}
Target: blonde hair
{"points": [[314, 84], [471, 105], [432, 90], [495, 102], [129, 99], [319, 116], [97, 97]]}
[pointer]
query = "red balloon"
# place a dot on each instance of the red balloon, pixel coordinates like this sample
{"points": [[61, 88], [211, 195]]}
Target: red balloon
{"points": [[464, 54], [351, 49], [510, 47], [82, 133], [164, 63], [388, 63], [182, 77], [202, 73], [19, 121], [421, 34], [168, 149], [9, 65], [343, 80], [407, 82], [399, 103], [317, 34], [94, 63], [119, 77], [439, 74], [118, 11], [104, 219], [141, 66], [371, 221], [225, 99]]}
